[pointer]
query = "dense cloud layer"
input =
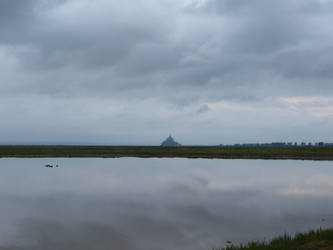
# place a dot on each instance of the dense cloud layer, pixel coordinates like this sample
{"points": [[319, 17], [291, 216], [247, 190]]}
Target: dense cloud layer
{"points": [[85, 71]]}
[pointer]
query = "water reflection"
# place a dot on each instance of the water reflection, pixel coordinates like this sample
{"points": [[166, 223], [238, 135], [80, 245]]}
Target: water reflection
{"points": [[158, 203]]}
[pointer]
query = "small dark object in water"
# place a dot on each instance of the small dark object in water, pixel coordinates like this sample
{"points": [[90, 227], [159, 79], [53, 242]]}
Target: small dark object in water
{"points": [[229, 242], [48, 166], [323, 220]]}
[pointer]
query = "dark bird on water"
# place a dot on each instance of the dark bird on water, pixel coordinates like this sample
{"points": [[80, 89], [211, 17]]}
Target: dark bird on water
{"points": [[51, 166]]}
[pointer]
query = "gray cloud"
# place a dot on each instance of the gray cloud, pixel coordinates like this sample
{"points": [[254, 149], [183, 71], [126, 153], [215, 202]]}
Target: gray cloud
{"points": [[170, 54]]}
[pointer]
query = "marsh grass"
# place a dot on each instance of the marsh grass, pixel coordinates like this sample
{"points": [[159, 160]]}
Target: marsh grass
{"points": [[316, 239], [227, 152]]}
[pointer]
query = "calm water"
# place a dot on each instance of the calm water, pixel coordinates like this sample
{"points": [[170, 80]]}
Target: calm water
{"points": [[158, 203]]}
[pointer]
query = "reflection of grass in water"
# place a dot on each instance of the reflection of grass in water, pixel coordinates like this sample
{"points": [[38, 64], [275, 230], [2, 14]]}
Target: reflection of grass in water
{"points": [[248, 152], [319, 239]]}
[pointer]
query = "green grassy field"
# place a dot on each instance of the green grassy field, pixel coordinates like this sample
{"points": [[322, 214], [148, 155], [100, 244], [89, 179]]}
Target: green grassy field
{"points": [[320, 239], [228, 152]]}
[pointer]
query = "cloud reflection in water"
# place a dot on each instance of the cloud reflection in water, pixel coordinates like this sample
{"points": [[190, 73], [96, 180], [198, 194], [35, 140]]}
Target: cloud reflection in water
{"points": [[158, 203]]}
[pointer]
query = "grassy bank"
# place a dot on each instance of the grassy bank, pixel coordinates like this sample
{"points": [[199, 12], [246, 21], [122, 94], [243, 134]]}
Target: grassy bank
{"points": [[228, 152], [320, 239]]}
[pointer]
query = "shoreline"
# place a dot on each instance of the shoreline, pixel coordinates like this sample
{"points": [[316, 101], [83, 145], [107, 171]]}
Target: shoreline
{"points": [[172, 156], [313, 153], [312, 240]]}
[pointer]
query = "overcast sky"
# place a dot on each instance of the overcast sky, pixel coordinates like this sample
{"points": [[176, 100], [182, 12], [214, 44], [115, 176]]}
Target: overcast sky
{"points": [[132, 72]]}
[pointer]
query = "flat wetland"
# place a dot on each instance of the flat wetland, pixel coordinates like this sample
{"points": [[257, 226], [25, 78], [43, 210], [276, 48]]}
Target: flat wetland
{"points": [[218, 152]]}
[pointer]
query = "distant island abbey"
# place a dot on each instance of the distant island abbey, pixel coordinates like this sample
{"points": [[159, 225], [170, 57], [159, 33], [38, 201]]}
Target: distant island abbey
{"points": [[170, 142]]}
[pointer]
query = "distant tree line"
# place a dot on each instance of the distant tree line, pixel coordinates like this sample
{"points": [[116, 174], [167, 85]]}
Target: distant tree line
{"points": [[272, 144]]}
